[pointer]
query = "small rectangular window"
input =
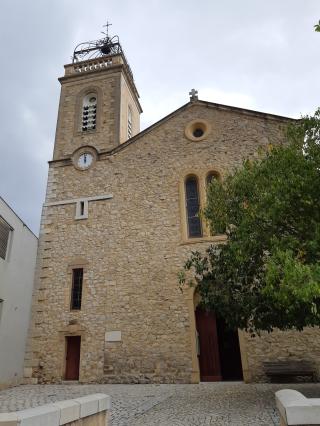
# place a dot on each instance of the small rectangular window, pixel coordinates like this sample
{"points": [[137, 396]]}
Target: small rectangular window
{"points": [[76, 292], [5, 230], [82, 209]]}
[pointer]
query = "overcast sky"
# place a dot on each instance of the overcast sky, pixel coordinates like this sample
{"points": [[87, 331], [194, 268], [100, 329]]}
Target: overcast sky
{"points": [[255, 54]]}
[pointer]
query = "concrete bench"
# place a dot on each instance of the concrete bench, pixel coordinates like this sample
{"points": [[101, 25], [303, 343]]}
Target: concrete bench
{"points": [[296, 409], [91, 410], [280, 370]]}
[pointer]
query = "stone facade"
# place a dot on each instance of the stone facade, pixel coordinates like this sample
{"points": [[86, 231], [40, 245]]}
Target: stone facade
{"points": [[304, 346], [134, 323]]}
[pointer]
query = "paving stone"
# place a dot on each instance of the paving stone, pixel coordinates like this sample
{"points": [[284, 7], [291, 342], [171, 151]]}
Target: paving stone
{"points": [[219, 404]]}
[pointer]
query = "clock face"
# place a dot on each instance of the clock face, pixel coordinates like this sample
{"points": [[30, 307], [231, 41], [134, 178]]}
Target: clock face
{"points": [[85, 160]]}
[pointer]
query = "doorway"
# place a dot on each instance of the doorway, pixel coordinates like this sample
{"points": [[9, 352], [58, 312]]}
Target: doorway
{"points": [[229, 350], [218, 349], [73, 344]]}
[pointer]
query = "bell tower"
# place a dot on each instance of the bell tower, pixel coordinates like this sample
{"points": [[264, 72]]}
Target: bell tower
{"points": [[99, 102]]}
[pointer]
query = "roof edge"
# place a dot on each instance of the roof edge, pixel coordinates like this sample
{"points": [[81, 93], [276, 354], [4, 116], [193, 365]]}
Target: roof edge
{"points": [[189, 104], [207, 104], [145, 131], [18, 217], [246, 111]]}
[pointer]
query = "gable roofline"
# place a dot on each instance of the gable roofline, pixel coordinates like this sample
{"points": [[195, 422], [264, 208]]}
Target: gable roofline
{"points": [[206, 104]]}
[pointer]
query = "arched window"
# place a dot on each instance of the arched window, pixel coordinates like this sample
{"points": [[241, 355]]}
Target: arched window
{"points": [[193, 206], [211, 176], [89, 112], [129, 122]]}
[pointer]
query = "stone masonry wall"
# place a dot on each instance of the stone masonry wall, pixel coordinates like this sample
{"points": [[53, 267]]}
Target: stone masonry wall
{"points": [[282, 346], [68, 134], [131, 248]]}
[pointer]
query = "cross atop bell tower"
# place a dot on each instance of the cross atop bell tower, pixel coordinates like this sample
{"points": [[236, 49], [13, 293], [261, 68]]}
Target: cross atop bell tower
{"points": [[107, 25], [99, 103]]}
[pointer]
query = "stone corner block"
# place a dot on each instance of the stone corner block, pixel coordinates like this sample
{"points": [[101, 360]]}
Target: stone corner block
{"points": [[104, 401], [69, 411], [296, 409], [88, 405], [45, 415], [27, 372], [9, 419]]}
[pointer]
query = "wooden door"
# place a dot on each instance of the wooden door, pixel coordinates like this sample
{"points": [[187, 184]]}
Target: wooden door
{"points": [[72, 357], [209, 360]]}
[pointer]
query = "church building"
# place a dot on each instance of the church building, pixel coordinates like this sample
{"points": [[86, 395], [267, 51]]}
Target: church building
{"points": [[119, 220]]}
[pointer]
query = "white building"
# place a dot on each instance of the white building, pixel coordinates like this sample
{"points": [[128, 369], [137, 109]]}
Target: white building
{"points": [[18, 249]]}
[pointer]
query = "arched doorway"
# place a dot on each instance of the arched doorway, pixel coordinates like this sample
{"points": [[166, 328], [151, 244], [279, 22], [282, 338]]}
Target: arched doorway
{"points": [[218, 348]]}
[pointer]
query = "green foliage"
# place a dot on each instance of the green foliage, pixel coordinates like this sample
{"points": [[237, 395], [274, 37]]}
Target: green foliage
{"points": [[317, 27], [267, 275]]}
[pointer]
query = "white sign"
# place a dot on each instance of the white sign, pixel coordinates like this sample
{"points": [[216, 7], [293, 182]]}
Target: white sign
{"points": [[113, 336]]}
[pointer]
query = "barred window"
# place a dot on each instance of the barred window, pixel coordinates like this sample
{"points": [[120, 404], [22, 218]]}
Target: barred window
{"points": [[89, 112], [5, 230], [193, 206], [76, 292]]}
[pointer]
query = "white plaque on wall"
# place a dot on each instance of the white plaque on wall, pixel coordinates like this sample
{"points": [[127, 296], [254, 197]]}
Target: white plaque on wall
{"points": [[113, 336]]}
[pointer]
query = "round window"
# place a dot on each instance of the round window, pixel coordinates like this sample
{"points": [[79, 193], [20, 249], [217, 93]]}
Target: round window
{"points": [[197, 130], [197, 133]]}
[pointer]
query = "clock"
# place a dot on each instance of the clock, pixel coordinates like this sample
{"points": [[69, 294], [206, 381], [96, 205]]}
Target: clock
{"points": [[84, 157], [85, 160]]}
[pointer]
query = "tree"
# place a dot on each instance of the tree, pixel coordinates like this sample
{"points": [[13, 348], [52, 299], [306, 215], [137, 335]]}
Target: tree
{"points": [[267, 275]]}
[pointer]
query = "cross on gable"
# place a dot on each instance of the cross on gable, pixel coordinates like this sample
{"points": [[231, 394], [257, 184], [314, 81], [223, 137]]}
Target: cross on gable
{"points": [[193, 95]]}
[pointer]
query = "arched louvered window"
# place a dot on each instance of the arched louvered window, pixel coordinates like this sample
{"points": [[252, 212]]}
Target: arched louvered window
{"points": [[89, 112], [129, 122], [193, 206]]}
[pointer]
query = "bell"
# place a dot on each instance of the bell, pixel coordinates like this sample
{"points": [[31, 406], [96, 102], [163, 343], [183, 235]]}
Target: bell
{"points": [[105, 49]]}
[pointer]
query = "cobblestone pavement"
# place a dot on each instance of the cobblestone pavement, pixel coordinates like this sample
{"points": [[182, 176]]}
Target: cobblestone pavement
{"points": [[220, 404]]}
